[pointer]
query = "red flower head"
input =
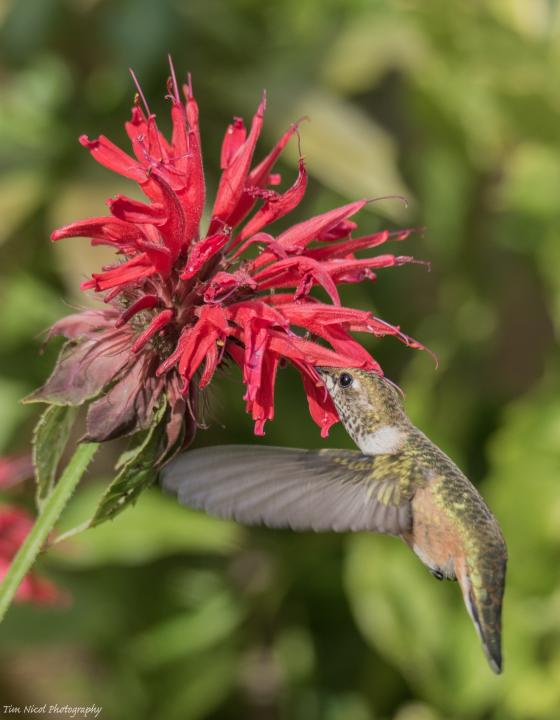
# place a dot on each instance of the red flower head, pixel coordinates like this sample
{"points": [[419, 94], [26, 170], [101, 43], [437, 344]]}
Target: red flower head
{"points": [[15, 524], [14, 469], [181, 299]]}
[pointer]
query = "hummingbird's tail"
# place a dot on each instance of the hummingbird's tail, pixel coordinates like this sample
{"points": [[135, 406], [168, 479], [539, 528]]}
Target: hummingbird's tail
{"points": [[483, 594]]}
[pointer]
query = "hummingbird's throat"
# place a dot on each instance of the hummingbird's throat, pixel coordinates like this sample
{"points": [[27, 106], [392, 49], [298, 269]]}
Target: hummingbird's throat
{"points": [[386, 440]]}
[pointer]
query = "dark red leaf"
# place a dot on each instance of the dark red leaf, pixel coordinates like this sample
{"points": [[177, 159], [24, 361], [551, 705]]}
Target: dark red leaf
{"points": [[115, 413], [83, 370]]}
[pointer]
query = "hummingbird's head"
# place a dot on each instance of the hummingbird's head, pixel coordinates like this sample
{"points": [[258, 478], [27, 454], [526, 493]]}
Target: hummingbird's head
{"points": [[368, 405]]}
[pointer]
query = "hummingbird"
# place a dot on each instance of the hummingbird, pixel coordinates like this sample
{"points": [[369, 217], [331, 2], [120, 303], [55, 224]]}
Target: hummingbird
{"points": [[398, 483]]}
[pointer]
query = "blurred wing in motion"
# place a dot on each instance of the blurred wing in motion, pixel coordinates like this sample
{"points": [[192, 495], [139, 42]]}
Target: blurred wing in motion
{"points": [[340, 490]]}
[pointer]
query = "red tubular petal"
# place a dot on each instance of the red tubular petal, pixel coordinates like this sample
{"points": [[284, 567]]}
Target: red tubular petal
{"points": [[245, 312], [146, 302], [233, 179], [224, 284], [173, 359], [316, 314], [113, 158], [296, 238], [259, 177], [129, 272], [260, 382], [290, 272], [303, 233], [321, 407], [200, 341], [255, 352], [350, 270], [211, 323], [348, 247], [262, 407], [179, 138], [173, 229], [313, 354], [193, 340], [194, 345], [192, 108], [295, 348], [158, 322], [212, 360], [340, 230], [332, 324], [235, 136], [194, 195], [346, 346], [235, 352], [258, 239], [137, 130], [159, 256], [132, 211], [148, 144], [202, 252], [384, 328], [106, 230], [286, 299], [157, 144], [277, 207]]}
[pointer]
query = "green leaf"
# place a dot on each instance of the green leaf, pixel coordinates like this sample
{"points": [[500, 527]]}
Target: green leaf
{"points": [[49, 440], [199, 692], [189, 633], [136, 474]]}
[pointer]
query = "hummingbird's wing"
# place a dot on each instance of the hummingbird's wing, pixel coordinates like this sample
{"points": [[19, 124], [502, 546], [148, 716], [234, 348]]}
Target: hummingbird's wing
{"points": [[338, 490]]}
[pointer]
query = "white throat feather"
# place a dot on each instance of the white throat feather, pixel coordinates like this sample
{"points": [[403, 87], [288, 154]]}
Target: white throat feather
{"points": [[386, 440]]}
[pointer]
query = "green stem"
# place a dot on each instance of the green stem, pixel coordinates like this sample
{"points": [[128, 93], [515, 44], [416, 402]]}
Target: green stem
{"points": [[49, 514]]}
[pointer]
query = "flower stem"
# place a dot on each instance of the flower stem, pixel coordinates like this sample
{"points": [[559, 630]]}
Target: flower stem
{"points": [[49, 514]]}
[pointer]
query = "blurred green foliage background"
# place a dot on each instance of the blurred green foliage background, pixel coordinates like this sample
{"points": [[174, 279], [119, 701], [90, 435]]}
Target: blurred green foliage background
{"points": [[457, 106]]}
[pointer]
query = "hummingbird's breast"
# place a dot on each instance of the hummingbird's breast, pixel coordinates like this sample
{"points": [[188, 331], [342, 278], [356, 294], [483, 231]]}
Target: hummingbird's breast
{"points": [[434, 537], [452, 525]]}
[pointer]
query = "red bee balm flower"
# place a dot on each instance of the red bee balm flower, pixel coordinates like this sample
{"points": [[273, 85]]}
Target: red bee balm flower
{"points": [[180, 300], [15, 524]]}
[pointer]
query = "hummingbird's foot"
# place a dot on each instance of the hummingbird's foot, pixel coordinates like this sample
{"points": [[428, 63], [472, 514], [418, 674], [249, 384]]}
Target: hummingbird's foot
{"points": [[437, 574]]}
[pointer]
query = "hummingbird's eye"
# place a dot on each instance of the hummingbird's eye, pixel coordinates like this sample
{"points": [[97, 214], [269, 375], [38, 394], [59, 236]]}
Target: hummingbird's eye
{"points": [[345, 380]]}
